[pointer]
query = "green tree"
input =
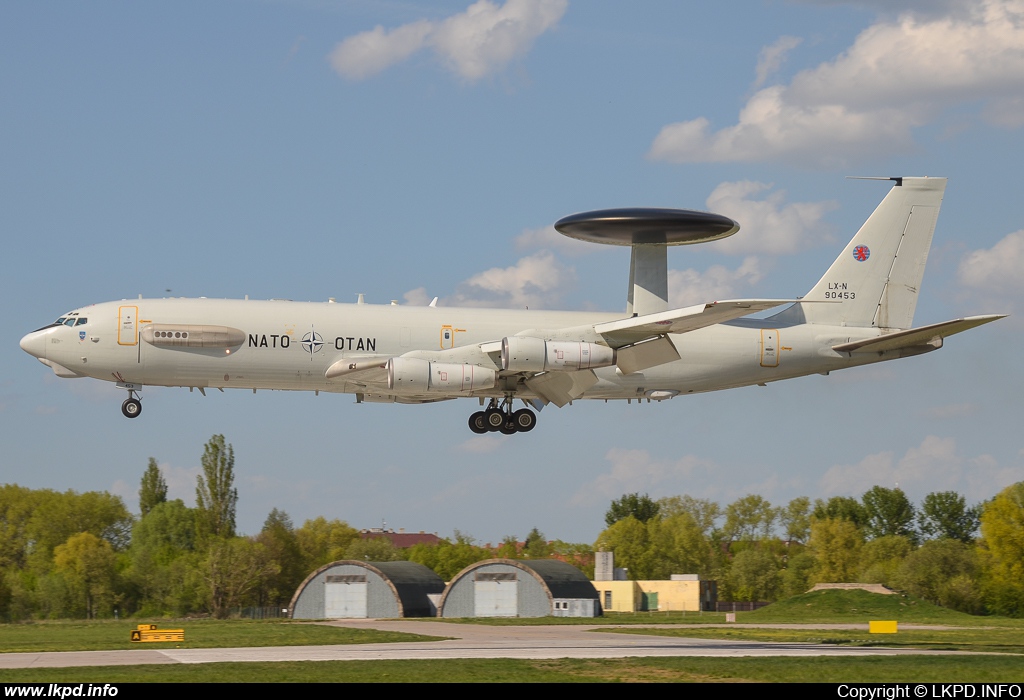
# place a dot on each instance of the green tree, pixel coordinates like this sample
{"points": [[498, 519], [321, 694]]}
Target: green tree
{"points": [[703, 511], [677, 545], [216, 497], [153, 489], [1002, 530], [634, 505], [944, 572], [88, 565], [448, 558], [282, 547], [509, 548], [836, 545], [796, 576], [629, 539], [374, 549], [231, 571], [840, 508], [754, 575], [159, 559], [322, 541], [536, 545], [882, 557], [945, 514], [796, 519], [749, 518], [889, 512]]}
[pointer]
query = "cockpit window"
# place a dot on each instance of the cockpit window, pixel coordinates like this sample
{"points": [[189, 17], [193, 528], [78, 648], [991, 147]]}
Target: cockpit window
{"points": [[82, 321], [69, 322], [60, 321]]}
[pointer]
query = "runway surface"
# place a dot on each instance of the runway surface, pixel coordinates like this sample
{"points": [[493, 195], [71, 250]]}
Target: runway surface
{"points": [[469, 642]]}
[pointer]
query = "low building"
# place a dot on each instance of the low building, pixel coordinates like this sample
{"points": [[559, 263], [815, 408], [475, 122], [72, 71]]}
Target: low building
{"points": [[360, 589], [619, 596], [684, 593], [520, 588]]}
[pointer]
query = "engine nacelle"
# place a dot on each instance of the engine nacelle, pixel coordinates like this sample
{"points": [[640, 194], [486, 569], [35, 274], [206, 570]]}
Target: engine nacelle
{"points": [[536, 355], [410, 375]]}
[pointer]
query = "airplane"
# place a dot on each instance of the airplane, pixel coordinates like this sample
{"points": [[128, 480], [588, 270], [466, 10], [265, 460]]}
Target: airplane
{"points": [[860, 312]]}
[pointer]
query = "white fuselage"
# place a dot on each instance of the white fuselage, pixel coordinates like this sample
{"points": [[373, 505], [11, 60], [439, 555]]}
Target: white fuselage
{"points": [[290, 345]]}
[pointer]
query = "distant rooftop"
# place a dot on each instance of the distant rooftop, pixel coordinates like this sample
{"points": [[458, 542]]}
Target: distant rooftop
{"points": [[400, 538]]}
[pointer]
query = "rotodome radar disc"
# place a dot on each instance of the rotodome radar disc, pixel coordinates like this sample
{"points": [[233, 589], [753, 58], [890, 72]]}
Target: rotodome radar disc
{"points": [[641, 225]]}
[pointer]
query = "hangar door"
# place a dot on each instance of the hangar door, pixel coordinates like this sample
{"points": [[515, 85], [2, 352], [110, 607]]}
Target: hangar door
{"points": [[496, 594], [345, 596]]}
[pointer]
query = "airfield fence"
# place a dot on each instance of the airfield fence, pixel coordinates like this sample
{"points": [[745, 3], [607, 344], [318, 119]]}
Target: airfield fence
{"points": [[739, 606], [264, 613]]}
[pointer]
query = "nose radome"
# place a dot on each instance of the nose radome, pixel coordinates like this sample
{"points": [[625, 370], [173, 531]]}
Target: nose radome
{"points": [[34, 344]]}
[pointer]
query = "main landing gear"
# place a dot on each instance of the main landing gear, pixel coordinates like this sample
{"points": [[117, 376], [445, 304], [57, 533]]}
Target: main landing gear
{"points": [[502, 419], [132, 407]]}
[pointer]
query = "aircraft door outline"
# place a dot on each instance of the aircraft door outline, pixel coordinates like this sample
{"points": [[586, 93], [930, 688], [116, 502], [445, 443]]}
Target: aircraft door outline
{"points": [[127, 325], [769, 347]]}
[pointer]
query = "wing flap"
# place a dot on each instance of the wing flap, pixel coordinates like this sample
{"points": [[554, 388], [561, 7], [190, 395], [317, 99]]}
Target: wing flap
{"points": [[926, 335], [560, 388], [650, 353], [690, 318]]}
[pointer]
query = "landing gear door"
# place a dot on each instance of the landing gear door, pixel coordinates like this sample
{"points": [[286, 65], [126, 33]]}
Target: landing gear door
{"points": [[769, 348], [128, 325]]}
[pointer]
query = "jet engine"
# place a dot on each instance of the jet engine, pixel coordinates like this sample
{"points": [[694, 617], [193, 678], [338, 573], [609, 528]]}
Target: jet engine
{"points": [[413, 375], [536, 355]]}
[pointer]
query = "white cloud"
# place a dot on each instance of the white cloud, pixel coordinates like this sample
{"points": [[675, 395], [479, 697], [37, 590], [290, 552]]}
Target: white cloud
{"points": [[771, 57], [718, 282], [546, 237], [768, 225], [932, 466], [535, 281], [482, 444], [996, 270], [369, 53], [417, 297], [899, 74], [181, 482], [473, 44], [636, 470]]}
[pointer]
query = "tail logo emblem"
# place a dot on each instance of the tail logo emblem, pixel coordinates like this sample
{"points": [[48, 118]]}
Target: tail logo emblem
{"points": [[861, 253]]}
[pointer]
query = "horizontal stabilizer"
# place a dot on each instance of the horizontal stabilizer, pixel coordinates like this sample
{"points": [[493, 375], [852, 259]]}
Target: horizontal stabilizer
{"points": [[690, 318], [926, 335]]}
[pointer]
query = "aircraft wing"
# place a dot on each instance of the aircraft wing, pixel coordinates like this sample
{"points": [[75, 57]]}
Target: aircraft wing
{"points": [[639, 328], [916, 337]]}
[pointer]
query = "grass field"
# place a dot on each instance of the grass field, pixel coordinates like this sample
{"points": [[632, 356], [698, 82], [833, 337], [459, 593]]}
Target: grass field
{"points": [[870, 669], [830, 606], [997, 641], [1002, 638], [98, 635]]}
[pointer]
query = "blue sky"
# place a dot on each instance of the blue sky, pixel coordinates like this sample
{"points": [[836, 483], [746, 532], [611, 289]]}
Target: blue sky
{"points": [[316, 149]]}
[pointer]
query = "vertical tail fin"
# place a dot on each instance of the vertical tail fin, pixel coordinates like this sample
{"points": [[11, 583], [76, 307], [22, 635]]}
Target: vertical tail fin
{"points": [[875, 280]]}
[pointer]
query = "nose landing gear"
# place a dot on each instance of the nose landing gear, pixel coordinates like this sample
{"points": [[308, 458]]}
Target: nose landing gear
{"points": [[502, 419]]}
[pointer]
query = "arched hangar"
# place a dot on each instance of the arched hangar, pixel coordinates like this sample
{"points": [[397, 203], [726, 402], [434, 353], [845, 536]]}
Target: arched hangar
{"points": [[351, 588], [520, 588]]}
